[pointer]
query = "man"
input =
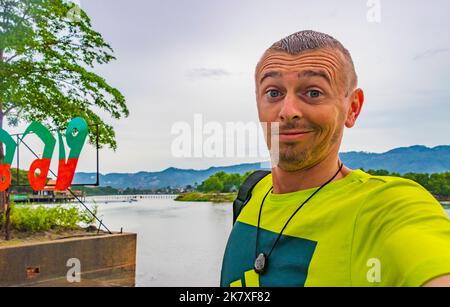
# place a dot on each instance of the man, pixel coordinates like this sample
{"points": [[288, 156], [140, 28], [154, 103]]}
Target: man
{"points": [[314, 221]]}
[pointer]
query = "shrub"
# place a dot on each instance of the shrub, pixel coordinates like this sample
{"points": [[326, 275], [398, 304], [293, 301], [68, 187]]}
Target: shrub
{"points": [[42, 218]]}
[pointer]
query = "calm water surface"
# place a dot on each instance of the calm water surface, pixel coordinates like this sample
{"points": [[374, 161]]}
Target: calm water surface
{"points": [[178, 244]]}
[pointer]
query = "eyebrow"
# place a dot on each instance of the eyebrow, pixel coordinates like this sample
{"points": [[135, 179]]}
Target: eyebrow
{"points": [[270, 74], [306, 73], [315, 73]]}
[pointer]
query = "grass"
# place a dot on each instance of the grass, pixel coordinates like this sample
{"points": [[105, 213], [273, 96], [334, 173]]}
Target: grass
{"points": [[209, 197]]}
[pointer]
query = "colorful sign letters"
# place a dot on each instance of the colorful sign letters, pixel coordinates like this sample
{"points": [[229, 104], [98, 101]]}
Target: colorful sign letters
{"points": [[76, 134]]}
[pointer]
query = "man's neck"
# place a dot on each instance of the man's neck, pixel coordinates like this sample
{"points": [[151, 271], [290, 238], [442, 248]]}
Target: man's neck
{"points": [[286, 182]]}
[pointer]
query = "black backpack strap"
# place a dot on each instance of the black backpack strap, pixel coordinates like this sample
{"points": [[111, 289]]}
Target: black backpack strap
{"points": [[245, 192]]}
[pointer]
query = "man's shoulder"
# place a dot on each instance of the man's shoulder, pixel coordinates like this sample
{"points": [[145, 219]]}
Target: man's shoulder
{"points": [[374, 188], [367, 181], [391, 185], [265, 182], [391, 193]]}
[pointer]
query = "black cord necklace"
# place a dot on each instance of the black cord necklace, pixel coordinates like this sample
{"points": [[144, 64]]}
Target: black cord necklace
{"points": [[261, 260]]}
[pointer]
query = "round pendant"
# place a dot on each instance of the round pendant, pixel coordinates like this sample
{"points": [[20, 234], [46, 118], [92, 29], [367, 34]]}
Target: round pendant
{"points": [[260, 263]]}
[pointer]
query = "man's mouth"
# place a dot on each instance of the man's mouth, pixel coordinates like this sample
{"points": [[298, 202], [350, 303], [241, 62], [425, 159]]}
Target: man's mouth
{"points": [[293, 135]]}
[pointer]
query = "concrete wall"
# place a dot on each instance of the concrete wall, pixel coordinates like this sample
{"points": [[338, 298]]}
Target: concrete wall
{"points": [[105, 260]]}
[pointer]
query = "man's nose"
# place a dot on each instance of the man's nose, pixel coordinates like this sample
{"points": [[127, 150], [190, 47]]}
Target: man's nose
{"points": [[290, 108]]}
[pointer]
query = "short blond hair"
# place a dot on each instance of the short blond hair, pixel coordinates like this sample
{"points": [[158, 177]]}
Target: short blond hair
{"points": [[307, 40]]}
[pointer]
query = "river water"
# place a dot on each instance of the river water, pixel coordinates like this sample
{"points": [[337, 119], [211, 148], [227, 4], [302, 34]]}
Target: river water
{"points": [[179, 243]]}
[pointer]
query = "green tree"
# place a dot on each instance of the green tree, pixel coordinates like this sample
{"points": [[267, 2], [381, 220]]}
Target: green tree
{"points": [[23, 179], [212, 184], [422, 179], [46, 63], [223, 182], [380, 172], [232, 181], [438, 184], [47, 59]]}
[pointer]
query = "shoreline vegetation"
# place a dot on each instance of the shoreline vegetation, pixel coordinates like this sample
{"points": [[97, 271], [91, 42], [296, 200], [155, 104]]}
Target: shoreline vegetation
{"points": [[40, 223], [25, 237], [223, 187], [207, 197]]}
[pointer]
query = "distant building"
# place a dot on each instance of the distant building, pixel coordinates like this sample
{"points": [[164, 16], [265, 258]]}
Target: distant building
{"points": [[49, 189], [49, 193]]}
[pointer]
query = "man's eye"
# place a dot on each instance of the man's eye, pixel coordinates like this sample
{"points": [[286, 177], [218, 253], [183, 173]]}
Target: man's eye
{"points": [[313, 94], [273, 93]]}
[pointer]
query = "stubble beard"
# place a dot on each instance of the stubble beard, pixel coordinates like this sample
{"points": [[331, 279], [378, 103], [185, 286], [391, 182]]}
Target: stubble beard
{"points": [[295, 156]]}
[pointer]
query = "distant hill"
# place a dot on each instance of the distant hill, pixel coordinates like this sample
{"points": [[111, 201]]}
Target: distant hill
{"points": [[173, 177], [417, 159]]}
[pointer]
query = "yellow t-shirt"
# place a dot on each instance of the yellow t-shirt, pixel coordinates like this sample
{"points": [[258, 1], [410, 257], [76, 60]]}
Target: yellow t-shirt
{"points": [[361, 230]]}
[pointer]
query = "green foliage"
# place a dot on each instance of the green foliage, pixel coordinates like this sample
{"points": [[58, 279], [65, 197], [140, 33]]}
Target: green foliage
{"points": [[95, 191], [211, 197], [212, 184], [23, 180], [46, 67], [40, 218], [380, 172], [437, 184], [223, 182]]}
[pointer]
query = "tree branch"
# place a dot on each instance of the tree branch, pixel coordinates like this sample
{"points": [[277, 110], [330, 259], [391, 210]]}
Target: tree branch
{"points": [[8, 110], [25, 13], [11, 58]]}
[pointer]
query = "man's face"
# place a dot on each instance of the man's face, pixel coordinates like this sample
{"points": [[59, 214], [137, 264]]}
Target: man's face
{"points": [[307, 95]]}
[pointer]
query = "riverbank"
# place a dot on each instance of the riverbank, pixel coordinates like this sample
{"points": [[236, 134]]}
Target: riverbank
{"points": [[209, 197], [26, 237], [71, 261]]}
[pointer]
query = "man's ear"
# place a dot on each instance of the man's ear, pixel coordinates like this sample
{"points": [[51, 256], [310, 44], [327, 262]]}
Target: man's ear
{"points": [[356, 103]]}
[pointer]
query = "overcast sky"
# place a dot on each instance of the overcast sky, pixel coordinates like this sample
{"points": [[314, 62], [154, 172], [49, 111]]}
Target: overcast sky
{"points": [[177, 58]]}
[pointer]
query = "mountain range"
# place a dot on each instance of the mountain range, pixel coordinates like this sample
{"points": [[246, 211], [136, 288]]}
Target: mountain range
{"points": [[416, 159]]}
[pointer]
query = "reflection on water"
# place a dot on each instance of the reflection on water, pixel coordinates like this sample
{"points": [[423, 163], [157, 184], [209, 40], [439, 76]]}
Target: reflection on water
{"points": [[179, 243]]}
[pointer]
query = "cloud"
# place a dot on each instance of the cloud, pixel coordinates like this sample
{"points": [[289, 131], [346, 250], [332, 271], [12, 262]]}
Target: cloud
{"points": [[430, 53], [214, 73]]}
